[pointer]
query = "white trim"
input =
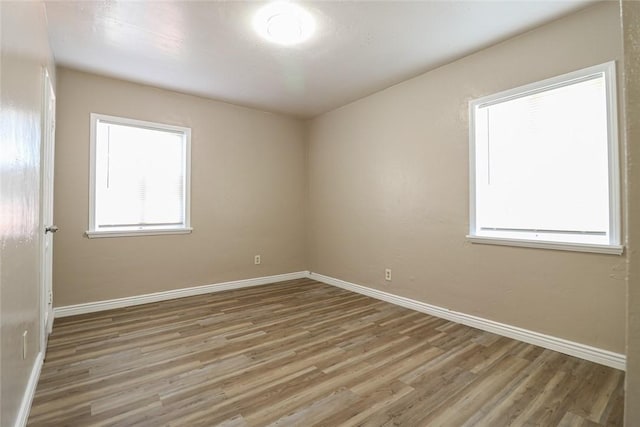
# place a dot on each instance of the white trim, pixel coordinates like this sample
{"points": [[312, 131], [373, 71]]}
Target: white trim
{"points": [[540, 244], [593, 354], [91, 307], [608, 72], [185, 131], [550, 83], [47, 163], [121, 233], [614, 158], [30, 391]]}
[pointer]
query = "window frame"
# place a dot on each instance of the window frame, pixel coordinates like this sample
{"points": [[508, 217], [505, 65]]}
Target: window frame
{"points": [[608, 70], [186, 228]]}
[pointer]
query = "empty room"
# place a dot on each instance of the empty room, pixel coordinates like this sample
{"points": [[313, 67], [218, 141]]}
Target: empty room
{"points": [[320, 213]]}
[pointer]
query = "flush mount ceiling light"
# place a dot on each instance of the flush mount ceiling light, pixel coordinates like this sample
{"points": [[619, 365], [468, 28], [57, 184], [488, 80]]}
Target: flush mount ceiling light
{"points": [[284, 23]]}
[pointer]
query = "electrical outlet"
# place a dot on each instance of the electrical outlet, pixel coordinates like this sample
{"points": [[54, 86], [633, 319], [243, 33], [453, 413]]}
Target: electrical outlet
{"points": [[387, 274], [257, 260], [24, 344]]}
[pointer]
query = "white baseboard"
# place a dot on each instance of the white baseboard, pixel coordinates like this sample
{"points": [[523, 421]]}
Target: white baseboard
{"points": [[30, 391], [91, 307], [593, 354]]}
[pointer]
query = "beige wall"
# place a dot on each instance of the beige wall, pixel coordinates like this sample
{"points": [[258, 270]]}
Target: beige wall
{"points": [[389, 188], [631, 26], [248, 189], [25, 50]]}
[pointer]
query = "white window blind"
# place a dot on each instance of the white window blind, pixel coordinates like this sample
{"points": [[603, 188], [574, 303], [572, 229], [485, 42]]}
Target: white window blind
{"points": [[544, 161], [140, 176]]}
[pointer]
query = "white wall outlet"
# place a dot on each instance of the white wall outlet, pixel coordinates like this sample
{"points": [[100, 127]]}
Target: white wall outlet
{"points": [[387, 274], [24, 344], [257, 260]]}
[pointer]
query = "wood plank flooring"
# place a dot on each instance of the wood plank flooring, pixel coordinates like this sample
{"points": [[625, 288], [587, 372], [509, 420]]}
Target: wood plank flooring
{"points": [[301, 353]]}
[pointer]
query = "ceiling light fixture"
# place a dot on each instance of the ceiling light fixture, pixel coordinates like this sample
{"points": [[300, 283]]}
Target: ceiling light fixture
{"points": [[284, 23]]}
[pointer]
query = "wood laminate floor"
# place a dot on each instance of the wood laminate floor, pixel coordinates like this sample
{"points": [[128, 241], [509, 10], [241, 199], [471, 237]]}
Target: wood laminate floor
{"points": [[301, 353]]}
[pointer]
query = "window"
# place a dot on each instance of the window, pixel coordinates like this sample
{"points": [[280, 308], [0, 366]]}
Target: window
{"points": [[544, 164], [139, 178]]}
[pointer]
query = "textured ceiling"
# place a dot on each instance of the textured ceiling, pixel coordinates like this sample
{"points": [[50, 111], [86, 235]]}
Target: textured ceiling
{"points": [[210, 49]]}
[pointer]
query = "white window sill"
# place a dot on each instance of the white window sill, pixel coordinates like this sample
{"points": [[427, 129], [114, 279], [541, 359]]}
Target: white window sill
{"points": [[541, 244], [133, 233]]}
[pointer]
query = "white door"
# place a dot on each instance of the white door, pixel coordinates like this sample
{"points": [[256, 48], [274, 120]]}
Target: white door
{"points": [[48, 229]]}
